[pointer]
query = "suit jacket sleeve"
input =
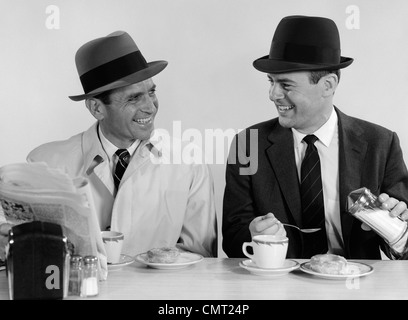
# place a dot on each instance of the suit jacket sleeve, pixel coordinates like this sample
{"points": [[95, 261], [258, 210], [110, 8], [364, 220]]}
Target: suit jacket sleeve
{"points": [[382, 170], [238, 205], [395, 183]]}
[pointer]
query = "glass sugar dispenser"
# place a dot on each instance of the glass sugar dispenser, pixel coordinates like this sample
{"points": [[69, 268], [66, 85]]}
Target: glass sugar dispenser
{"points": [[366, 207], [90, 280]]}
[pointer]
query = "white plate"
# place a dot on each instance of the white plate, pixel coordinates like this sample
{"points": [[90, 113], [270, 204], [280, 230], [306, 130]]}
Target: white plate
{"points": [[185, 259], [124, 261], [364, 270], [288, 266]]}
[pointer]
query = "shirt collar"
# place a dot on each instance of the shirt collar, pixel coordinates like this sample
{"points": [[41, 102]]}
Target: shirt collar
{"points": [[110, 148], [95, 153], [324, 133]]}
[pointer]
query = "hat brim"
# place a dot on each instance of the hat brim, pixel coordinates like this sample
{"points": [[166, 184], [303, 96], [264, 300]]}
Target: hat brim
{"points": [[264, 64], [152, 69]]}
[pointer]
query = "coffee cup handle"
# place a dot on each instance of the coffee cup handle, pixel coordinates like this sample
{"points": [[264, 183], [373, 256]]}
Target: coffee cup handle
{"points": [[244, 249]]}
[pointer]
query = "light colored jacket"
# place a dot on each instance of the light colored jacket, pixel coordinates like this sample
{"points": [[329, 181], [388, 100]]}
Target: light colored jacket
{"points": [[158, 203]]}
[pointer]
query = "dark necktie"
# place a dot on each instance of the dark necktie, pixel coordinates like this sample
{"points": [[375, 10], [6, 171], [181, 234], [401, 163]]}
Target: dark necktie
{"points": [[311, 191], [121, 165]]}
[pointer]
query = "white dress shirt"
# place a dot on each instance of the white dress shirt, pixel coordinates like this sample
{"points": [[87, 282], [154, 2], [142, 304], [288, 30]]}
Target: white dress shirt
{"points": [[328, 148]]}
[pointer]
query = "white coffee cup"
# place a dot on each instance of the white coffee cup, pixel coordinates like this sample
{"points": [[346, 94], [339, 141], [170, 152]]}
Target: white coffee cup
{"points": [[269, 251], [113, 241]]}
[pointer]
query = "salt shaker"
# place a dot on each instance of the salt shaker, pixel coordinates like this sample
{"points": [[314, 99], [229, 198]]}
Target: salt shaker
{"points": [[75, 276], [366, 207], [90, 280]]}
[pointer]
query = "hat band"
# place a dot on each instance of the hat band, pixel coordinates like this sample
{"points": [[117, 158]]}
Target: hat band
{"points": [[304, 53], [112, 71]]}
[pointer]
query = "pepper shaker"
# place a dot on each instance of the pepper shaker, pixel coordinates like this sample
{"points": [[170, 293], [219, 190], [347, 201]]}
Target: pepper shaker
{"points": [[75, 276]]}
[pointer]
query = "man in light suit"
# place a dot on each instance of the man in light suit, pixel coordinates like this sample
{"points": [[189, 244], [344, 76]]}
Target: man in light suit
{"points": [[157, 202], [304, 70]]}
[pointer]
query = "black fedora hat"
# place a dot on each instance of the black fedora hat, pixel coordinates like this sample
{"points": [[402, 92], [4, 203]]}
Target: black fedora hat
{"points": [[112, 62], [302, 43]]}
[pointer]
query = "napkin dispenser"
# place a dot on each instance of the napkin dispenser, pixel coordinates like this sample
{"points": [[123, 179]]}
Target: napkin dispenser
{"points": [[37, 258]]}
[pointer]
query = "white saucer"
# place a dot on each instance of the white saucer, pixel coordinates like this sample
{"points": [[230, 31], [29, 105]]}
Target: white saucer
{"points": [[288, 266], [124, 261], [184, 260], [359, 270]]}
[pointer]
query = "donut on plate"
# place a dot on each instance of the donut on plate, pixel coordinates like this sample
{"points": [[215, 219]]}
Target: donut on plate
{"points": [[163, 255], [330, 264]]}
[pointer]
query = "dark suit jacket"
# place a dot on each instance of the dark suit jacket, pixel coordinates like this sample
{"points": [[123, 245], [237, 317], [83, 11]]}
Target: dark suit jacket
{"points": [[369, 156]]}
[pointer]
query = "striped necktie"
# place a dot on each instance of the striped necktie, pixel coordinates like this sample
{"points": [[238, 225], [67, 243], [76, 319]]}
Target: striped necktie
{"points": [[121, 165], [311, 191]]}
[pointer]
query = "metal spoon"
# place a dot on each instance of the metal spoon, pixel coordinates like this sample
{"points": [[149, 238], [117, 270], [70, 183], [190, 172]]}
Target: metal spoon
{"points": [[302, 230]]}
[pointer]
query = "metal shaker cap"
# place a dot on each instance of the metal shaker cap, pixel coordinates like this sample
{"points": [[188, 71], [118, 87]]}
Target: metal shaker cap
{"points": [[90, 260]]}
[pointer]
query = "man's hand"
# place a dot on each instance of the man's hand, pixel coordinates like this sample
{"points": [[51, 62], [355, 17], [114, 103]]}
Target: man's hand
{"points": [[4, 230], [266, 224], [396, 208]]}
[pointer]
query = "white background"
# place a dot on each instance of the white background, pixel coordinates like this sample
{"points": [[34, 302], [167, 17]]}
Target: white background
{"points": [[210, 82]]}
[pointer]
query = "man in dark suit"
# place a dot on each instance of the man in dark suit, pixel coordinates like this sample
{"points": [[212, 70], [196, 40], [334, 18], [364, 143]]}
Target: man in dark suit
{"points": [[263, 189]]}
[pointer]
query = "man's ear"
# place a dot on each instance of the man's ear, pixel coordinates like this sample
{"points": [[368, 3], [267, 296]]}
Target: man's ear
{"points": [[96, 108], [330, 83]]}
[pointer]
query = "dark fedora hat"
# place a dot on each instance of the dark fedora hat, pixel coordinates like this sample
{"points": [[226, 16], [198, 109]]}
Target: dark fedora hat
{"points": [[112, 62], [302, 43]]}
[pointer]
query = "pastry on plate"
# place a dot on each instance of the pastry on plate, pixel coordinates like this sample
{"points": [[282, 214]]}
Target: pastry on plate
{"points": [[332, 264], [163, 255]]}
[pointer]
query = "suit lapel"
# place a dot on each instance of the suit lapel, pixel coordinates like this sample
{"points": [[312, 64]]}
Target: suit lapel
{"points": [[95, 159], [282, 158], [352, 151]]}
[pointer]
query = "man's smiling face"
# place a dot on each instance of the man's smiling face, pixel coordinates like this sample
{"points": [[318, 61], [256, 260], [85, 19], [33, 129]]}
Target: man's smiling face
{"points": [[301, 104], [131, 113]]}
